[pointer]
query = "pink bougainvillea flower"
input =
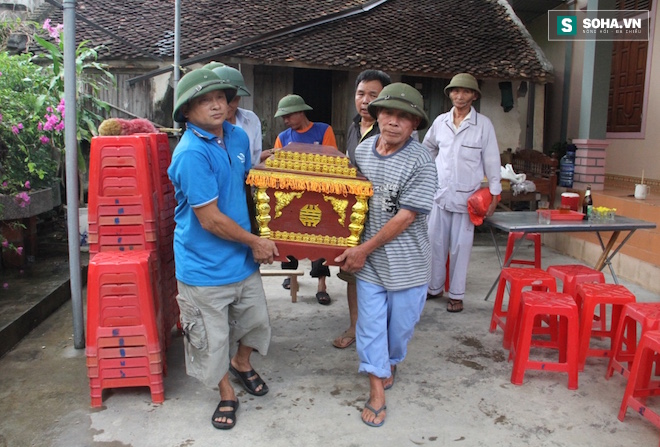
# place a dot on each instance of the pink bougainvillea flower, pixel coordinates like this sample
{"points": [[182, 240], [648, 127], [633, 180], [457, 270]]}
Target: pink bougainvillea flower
{"points": [[59, 126], [22, 199], [53, 31], [15, 130], [5, 243], [44, 139], [27, 185], [4, 184], [5, 286], [0, 116], [60, 107], [19, 250]]}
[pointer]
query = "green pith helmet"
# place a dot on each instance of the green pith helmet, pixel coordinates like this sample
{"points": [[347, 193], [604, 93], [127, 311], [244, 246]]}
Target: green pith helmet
{"points": [[291, 104], [234, 77], [213, 65], [464, 80], [197, 83], [400, 96]]}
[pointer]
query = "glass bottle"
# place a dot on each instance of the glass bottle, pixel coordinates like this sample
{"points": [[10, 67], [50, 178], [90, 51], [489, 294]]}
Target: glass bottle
{"points": [[587, 203]]}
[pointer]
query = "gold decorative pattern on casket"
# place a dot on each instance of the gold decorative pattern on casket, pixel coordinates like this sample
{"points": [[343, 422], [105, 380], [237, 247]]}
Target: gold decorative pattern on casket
{"points": [[310, 215], [313, 163], [262, 201], [282, 199], [291, 236], [339, 206]]}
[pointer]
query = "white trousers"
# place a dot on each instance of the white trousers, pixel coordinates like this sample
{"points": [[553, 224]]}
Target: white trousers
{"points": [[451, 234]]}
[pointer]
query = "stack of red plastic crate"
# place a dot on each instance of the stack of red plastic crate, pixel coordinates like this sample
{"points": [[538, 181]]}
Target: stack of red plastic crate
{"points": [[131, 225]]}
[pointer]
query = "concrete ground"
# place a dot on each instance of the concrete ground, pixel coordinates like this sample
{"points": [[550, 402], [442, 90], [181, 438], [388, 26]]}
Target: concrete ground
{"points": [[453, 388]]}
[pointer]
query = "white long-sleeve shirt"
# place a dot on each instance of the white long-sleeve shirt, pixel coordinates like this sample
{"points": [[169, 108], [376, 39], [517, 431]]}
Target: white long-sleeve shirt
{"points": [[251, 124], [463, 157]]}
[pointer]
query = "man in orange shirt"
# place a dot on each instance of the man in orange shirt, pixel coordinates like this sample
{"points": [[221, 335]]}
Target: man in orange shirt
{"points": [[301, 130]]}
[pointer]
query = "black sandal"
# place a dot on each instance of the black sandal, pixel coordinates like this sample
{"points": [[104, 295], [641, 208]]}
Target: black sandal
{"points": [[250, 385], [323, 298], [286, 283], [217, 414], [454, 305]]}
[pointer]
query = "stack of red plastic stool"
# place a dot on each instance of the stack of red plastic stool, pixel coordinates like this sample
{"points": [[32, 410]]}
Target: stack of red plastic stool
{"points": [[160, 161], [644, 315], [510, 243], [551, 305], [590, 295], [131, 209], [123, 347], [573, 274], [518, 278], [640, 386]]}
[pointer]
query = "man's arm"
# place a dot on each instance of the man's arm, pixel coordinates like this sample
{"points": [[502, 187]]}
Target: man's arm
{"points": [[353, 259], [214, 221]]}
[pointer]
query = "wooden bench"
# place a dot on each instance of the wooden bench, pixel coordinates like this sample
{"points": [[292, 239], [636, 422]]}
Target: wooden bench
{"points": [[540, 169], [291, 274]]}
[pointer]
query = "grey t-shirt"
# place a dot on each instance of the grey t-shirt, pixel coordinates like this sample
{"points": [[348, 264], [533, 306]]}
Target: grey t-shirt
{"points": [[408, 180]]}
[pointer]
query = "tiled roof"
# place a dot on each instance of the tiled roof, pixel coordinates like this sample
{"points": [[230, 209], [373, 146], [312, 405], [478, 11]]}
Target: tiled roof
{"points": [[436, 38]]}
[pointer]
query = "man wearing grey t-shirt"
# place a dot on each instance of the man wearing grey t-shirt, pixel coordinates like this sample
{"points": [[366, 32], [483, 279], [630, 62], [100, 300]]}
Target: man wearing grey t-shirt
{"points": [[392, 264]]}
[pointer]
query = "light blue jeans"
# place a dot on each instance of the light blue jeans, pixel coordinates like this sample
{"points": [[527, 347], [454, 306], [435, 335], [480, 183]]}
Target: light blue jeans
{"points": [[386, 322]]}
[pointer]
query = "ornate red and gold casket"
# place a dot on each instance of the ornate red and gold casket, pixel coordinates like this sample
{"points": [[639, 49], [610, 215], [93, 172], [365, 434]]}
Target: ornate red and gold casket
{"points": [[310, 200]]}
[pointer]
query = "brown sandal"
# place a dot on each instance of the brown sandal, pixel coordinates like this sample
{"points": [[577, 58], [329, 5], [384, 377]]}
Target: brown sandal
{"points": [[454, 305]]}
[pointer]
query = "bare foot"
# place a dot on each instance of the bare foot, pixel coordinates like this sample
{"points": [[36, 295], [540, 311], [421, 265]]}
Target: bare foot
{"points": [[389, 382]]}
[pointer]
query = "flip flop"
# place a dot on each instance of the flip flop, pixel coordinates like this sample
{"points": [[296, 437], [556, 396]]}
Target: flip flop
{"points": [[286, 283], [227, 414], [393, 378], [250, 385], [454, 305], [323, 298], [343, 341], [376, 413]]}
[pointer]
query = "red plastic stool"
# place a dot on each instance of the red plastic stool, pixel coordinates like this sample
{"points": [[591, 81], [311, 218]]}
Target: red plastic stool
{"points": [[644, 315], [573, 274], [518, 278], [590, 295], [640, 386], [513, 237], [562, 308]]}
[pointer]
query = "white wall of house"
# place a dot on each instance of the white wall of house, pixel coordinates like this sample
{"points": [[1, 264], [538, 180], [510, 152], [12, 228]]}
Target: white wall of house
{"points": [[509, 126]]}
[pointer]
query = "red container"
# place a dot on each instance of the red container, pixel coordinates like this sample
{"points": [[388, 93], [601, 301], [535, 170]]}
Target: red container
{"points": [[570, 199]]}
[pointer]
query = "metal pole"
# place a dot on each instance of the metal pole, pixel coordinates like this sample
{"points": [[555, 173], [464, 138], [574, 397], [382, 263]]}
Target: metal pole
{"points": [[177, 55], [71, 163]]}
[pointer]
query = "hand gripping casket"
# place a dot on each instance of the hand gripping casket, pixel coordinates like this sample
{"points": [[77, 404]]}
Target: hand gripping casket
{"points": [[310, 200]]}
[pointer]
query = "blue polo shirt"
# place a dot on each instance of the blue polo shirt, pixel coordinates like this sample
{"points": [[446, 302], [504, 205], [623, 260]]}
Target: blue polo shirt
{"points": [[205, 168]]}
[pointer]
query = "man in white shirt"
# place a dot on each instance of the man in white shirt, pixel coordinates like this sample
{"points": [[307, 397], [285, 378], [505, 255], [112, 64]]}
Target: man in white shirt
{"points": [[465, 149]]}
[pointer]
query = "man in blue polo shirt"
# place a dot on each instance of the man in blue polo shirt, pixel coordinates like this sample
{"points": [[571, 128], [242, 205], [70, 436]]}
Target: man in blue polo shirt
{"points": [[221, 296]]}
